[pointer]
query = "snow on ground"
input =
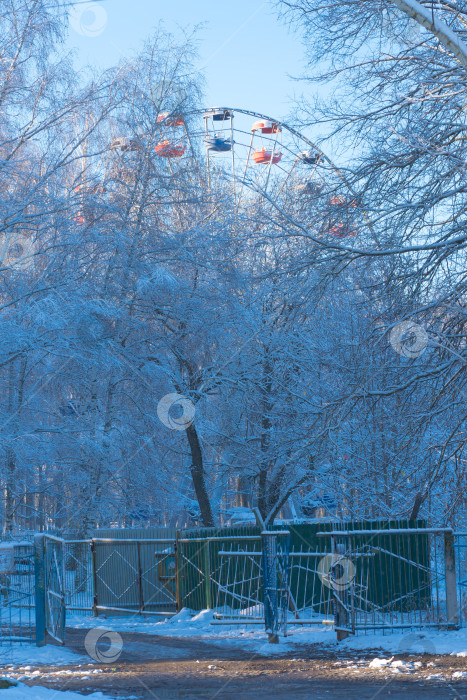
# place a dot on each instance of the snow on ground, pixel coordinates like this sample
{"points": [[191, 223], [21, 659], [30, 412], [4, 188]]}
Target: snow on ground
{"points": [[412, 642], [32, 655], [253, 638], [24, 692]]}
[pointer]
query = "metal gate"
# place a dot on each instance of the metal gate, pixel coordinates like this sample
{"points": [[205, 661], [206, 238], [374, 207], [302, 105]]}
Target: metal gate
{"points": [[121, 575], [134, 576], [229, 573], [50, 589], [16, 592], [392, 579]]}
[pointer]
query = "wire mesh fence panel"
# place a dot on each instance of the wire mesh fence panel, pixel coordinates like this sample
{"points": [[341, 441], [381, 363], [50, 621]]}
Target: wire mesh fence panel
{"points": [[209, 577], [192, 574], [79, 585], [17, 610], [120, 575], [461, 566], [54, 563]]}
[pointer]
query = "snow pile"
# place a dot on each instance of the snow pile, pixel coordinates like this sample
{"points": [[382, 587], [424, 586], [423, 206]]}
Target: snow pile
{"points": [[380, 663], [48, 656], [397, 666], [82, 673], [24, 692], [418, 642]]}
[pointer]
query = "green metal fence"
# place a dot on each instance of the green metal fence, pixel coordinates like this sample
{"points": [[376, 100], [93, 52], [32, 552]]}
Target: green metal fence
{"points": [[221, 568], [204, 579], [356, 576], [399, 578]]}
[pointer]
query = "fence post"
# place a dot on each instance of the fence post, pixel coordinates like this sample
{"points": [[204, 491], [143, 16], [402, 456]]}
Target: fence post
{"points": [[271, 612], [39, 589], [275, 548], [140, 577], [207, 575], [178, 590], [341, 615], [94, 578], [451, 585]]}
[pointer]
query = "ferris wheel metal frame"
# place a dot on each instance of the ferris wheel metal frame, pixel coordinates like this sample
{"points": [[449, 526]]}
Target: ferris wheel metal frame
{"points": [[266, 168]]}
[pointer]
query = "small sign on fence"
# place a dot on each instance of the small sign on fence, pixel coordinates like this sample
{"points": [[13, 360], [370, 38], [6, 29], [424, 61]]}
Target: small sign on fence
{"points": [[7, 560]]}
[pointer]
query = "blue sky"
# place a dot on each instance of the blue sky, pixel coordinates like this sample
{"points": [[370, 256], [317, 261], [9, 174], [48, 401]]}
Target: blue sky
{"points": [[246, 52]]}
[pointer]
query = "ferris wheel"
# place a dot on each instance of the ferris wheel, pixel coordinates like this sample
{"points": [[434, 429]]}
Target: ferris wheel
{"points": [[252, 157], [262, 156]]}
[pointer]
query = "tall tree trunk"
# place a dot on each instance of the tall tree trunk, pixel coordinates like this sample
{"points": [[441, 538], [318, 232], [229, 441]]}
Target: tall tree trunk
{"points": [[198, 476], [10, 493], [99, 466], [15, 400], [420, 499]]}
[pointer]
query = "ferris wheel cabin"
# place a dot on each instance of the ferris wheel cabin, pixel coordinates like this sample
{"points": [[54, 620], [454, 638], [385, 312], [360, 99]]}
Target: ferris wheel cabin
{"points": [[168, 149], [170, 119], [217, 144], [264, 156], [309, 157], [266, 126]]}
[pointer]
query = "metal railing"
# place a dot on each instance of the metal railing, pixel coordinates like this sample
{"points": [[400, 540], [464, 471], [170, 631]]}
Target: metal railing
{"points": [[79, 588], [356, 580]]}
